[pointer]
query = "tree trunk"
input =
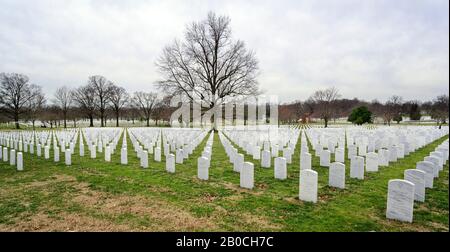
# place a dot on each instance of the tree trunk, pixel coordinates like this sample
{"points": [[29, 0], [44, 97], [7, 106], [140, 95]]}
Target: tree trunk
{"points": [[16, 119], [117, 118], [326, 122], [148, 121], [33, 123], [91, 121], [102, 118]]}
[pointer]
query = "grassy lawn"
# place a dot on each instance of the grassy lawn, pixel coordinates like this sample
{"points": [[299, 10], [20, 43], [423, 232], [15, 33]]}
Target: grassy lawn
{"points": [[92, 195]]}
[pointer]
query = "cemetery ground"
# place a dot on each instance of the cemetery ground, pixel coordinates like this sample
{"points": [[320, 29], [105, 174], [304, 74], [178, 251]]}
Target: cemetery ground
{"points": [[92, 195]]}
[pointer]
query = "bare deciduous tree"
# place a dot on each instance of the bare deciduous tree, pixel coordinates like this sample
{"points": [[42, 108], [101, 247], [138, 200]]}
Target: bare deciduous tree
{"points": [[208, 65], [324, 102], [63, 99], [36, 104], [440, 110], [15, 93], [103, 89], [119, 98], [85, 97], [146, 103], [392, 108]]}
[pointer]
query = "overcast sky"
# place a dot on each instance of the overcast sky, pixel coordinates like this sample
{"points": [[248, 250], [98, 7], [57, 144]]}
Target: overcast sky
{"points": [[367, 49]]}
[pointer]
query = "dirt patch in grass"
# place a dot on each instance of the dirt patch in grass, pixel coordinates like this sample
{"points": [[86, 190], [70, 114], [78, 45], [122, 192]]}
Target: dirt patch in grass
{"points": [[260, 222], [167, 216], [63, 222], [234, 197], [293, 200], [104, 211], [238, 189], [54, 179], [439, 226]]}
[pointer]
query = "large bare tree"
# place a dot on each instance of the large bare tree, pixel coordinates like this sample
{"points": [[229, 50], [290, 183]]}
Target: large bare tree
{"points": [[15, 93], [146, 103], [85, 97], [119, 98], [324, 101], [63, 99], [208, 65], [103, 89]]}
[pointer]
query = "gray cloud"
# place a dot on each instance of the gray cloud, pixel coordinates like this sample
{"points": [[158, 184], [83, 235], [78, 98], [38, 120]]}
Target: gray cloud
{"points": [[367, 49]]}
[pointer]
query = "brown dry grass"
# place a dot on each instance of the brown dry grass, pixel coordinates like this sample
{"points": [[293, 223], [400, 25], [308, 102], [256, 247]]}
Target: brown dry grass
{"points": [[164, 216]]}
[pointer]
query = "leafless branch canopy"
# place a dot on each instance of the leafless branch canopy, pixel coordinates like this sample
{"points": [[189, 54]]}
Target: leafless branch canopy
{"points": [[85, 97], [63, 98], [146, 103], [103, 90], [119, 97], [15, 94], [208, 65], [324, 101]]}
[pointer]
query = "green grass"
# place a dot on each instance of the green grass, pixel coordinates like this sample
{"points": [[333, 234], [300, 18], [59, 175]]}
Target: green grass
{"points": [[152, 199]]}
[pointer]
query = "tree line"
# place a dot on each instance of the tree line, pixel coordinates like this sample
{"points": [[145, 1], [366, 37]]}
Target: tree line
{"points": [[328, 105], [99, 99]]}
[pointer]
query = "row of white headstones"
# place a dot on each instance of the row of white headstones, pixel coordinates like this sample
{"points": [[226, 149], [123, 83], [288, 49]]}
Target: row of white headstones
{"points": [[261, 145], [14, 143], [367, 150], [101, 140], [178, 144], [403, 192]]}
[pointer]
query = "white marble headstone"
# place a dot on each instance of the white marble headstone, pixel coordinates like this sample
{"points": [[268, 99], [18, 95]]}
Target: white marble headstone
{"points": [[429, 169], [308, 185], [157, 154], [339, 155], [305, 161], [144, 159], [12, 157], [417, 177], [124, 156], [337, 175], [372, 162], [202, 168], [56, 154], [19, 161], [238, 162], [280, 168], [325, 158], [400, 200], [247, 176], [357, 167], [265, 159], [170, 163], [68, 157]]}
